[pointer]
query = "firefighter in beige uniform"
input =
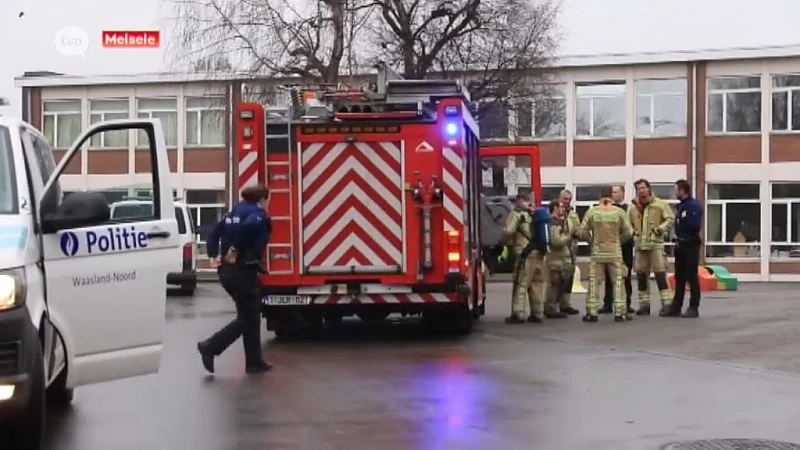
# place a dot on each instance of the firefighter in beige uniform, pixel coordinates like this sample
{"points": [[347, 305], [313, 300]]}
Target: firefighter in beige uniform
{"points": [[529, 276], [559, 262], [573, 223], [651, 218]]}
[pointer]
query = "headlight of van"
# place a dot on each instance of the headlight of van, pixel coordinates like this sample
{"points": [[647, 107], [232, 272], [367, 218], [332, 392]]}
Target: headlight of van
{"points": [[12, 288]]}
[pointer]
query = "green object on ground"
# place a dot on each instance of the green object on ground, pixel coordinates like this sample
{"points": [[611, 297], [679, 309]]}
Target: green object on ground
{"points": [[724, 277]]}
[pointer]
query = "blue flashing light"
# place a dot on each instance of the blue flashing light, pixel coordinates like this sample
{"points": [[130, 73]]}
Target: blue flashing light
{"points": [[451, 111], [451, 129]]}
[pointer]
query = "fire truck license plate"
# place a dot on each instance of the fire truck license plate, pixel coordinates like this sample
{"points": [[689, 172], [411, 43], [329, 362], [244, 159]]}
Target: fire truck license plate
{"points": [[287, 300]]}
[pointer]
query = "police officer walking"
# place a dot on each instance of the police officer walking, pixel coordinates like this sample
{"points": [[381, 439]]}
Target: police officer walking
{"points": [[688, 220], [241, 236]]}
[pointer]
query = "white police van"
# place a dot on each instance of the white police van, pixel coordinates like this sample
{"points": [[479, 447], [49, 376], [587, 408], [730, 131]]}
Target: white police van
{"points": [[184, 273], [82, 297]]}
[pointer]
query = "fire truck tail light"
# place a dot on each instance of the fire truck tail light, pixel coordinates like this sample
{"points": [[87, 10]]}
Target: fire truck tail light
{"points": [[248, 132], [453, 251], [246, 114]]}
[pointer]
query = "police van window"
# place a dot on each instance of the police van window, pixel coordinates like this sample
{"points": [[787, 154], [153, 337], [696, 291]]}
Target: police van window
{"points": [[8, 179]]}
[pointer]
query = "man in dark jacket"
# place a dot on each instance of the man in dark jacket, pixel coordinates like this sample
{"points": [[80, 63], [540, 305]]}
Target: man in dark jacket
{"points": [[688, 221], [241, 236], [618, 196]]}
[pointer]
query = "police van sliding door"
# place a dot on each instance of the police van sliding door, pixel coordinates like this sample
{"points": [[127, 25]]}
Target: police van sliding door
{"points": [[106, 282]]}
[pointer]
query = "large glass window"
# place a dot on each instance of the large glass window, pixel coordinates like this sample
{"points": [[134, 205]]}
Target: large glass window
{"points": [[734, 104], [207, 208], [506, 175], [733, 220], [661, 107], [205, 121], [61, 122], [785, 211], [600, 109], [163, 109], [544, 115], [8, 178], [101, 110], [786, 102], [493, 119], [551, 192]]}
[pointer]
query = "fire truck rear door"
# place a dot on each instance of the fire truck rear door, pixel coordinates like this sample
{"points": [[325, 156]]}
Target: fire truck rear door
{"points": [[353, 205]]}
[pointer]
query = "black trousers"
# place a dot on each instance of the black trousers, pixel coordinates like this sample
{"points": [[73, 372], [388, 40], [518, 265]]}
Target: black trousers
{"points": [[687, 256], [608, 296], [242, 284]]}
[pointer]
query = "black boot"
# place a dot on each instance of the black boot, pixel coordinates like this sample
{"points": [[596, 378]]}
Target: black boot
{"points": [[569, 310], [554, 315], [619, 318], [206, 356], [513, 320], [643, 310], [534, 319], [606, 309], [665, 311], [630, 309], [691, 313], [672, 311], [590, 318]]}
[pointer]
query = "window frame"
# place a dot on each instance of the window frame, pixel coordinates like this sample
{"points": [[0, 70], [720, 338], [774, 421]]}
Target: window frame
{"points": [[509, 125], [102, 113], [790, 91], [592, 98], [724, 226], [55, 115], [195, 208], [560, 91], [788, 202], [724, 93], [150, 111], [652, 96], [199, 113]]}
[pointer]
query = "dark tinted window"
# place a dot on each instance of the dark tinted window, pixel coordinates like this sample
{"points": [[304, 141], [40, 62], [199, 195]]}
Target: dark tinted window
{"points": [[8, 179], [181, 220]]}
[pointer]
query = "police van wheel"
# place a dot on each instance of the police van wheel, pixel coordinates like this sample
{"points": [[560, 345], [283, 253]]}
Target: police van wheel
{"points": [[27, 430]]}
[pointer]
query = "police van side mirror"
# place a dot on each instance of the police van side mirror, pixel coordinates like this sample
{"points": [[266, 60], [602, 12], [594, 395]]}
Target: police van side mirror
{"points": [[80, 209]]}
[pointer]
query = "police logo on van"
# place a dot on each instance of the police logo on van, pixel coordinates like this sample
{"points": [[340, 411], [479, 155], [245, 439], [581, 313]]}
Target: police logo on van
{"points": [[70, 243], [108, 240]]}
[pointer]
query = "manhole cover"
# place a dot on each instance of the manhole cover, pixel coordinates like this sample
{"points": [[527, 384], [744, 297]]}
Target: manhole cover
{"points": [[731, 444]]}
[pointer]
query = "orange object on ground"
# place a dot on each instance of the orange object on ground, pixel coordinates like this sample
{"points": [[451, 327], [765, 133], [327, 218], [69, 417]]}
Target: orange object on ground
{"points": [[708, 282]]}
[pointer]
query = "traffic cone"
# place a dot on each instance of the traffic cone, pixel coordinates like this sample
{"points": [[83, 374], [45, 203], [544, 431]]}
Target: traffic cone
{"points": [[577, 287]]}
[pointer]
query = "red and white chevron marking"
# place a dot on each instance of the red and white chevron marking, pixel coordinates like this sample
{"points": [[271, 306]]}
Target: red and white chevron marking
{"points": [[454, 178], [382, 299], [352, 204], [248, 169]]}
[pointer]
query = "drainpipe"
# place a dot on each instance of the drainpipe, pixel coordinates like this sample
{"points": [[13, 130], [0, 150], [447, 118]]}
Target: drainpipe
{"points": [[694, 126]]}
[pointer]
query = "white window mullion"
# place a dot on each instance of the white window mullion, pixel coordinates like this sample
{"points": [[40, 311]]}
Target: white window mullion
{"points": [[724, 113], [723, 216]]}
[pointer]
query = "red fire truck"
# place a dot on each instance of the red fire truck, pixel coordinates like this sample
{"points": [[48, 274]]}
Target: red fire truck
{"points": [[374, 203]]}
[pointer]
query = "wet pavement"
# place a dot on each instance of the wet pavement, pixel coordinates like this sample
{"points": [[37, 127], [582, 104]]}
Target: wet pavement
{"points": [[733, 373]]}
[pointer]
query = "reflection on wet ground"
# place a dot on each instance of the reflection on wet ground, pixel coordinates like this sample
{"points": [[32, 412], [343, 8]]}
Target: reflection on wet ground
{"points": [[548, 387]]}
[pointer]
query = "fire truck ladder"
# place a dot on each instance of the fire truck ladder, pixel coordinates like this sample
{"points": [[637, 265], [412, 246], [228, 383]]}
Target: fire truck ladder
{"points": [[279, 181]]}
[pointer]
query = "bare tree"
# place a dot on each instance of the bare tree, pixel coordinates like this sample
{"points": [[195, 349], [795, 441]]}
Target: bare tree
{"points": [[306, 39], [499, 46]]}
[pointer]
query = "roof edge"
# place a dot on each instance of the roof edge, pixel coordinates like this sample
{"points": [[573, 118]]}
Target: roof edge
{"points": [[566, 61]]}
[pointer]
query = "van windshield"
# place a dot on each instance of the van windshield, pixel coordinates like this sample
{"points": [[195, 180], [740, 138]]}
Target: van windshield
{"points": [[8, 179], [145, 210]]}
